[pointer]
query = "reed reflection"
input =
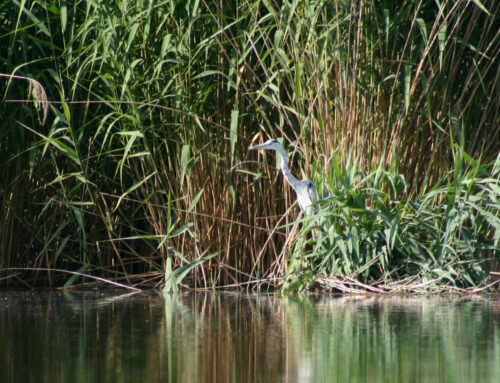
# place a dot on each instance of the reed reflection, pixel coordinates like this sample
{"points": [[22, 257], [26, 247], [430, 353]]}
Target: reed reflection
{"points": [[232, 337]]}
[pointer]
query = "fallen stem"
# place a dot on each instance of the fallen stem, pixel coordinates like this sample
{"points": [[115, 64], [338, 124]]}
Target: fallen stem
{"points": [[74, 273]]}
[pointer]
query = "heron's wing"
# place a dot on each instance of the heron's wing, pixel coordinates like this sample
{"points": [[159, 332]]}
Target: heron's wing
{"points": [[312, 192]]}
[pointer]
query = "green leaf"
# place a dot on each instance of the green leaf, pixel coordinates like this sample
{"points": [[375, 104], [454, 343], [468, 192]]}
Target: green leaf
{"points": [[185, 156], [64, 15], [442, 42], [132, 188], [79, 219], [423, 29], [407, 84], [195, 201], [233, 132], [481, 6], [170, 285], [74, 277]]}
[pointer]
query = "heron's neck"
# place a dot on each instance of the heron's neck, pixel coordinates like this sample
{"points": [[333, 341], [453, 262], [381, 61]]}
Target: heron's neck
{"points": [[286, 172]]}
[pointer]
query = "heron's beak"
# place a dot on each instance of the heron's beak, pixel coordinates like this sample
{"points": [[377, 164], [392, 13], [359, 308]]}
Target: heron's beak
{"points": [[253, 147]]}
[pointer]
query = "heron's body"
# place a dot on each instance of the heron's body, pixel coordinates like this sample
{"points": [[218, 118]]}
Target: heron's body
{"points": [[304, 189]]}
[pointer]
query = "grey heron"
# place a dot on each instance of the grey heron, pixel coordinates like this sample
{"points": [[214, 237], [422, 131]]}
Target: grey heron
{"points": [[304, 189]]}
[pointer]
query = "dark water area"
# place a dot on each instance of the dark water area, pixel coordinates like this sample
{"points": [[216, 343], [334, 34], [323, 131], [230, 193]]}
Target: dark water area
{"points": [[208, 337]]}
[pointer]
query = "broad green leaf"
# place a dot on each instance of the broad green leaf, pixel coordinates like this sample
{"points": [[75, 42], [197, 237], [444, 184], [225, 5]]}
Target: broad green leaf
{"points": [[185, 157], [442, 42]]}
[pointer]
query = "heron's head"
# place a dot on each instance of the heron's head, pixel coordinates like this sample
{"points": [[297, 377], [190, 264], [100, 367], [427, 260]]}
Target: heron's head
{"points": [[271, 144]]}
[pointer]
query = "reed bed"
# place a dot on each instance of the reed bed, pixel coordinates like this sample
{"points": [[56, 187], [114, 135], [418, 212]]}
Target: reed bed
{"points": [[125, 128]]}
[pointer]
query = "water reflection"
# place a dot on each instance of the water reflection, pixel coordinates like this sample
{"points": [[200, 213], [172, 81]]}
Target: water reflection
{"points": [[92, 337]]}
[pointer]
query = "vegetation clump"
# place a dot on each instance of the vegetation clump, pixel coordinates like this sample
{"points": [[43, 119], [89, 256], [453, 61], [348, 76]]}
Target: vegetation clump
{"points": [[365, 239]]}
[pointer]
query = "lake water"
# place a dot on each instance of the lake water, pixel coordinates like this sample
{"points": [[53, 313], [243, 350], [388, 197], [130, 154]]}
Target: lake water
{"points": [[205, 337]]}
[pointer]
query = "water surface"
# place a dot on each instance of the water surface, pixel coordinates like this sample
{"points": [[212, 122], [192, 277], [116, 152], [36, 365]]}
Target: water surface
{"points": [[204, 337]]}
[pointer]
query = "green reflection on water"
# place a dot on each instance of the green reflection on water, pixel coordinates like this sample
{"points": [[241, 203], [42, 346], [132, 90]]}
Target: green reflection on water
{"points": [[101, 337]]}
